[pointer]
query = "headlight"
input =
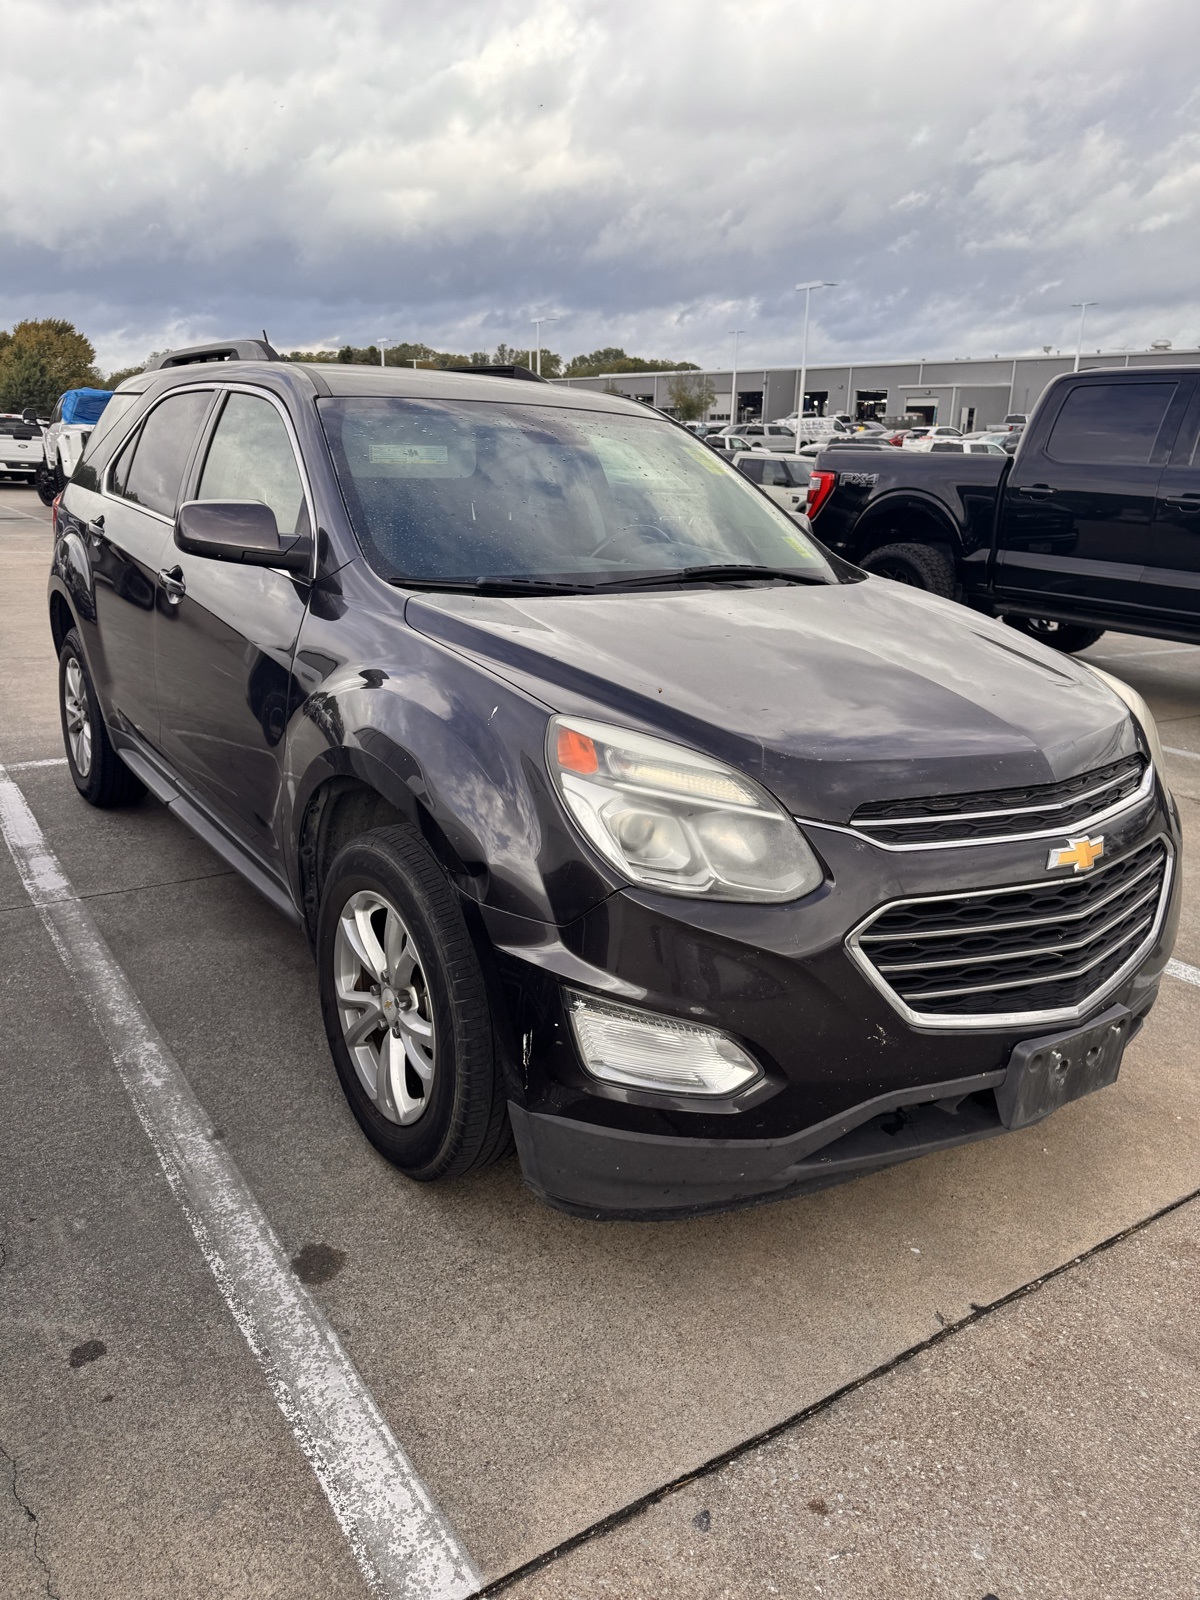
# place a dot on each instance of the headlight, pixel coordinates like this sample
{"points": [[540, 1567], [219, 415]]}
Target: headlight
{"points": [[671, 818], [1141, 712]]}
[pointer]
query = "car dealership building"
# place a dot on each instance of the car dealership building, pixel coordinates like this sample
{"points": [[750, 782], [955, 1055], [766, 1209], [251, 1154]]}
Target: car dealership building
{"points": [[967, 393]]}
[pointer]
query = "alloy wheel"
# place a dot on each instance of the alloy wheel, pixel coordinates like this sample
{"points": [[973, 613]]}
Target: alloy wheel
{"points": [[79, 723], [385, 1007]]}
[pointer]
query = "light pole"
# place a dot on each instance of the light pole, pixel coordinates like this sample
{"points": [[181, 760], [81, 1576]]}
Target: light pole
{"points": [[1082, 307], [537, 322], [822, 283], [383, 342], [733, 405]]}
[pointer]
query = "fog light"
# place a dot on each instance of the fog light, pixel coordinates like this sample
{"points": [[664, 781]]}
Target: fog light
{"points": [[646, 1051]]}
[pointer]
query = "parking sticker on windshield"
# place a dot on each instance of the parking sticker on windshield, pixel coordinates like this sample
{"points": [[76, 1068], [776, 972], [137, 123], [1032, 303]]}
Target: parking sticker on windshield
{"points": [[409, 455]]}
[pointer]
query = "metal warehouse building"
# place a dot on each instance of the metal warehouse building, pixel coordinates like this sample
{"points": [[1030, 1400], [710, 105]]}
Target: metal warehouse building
{"points": [[967, 393]]}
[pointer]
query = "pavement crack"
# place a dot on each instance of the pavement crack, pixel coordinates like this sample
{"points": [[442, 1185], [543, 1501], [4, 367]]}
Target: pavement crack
{"points": [[948, 1330], [135, 888], [31, 1516]]}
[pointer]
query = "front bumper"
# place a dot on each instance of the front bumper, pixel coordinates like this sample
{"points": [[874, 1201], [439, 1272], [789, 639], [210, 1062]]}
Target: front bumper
{"points": [[850, 1084]]}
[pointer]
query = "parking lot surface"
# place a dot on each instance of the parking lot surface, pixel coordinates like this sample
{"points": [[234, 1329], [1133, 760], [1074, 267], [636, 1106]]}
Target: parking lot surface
{"points": [[544, 1373]]}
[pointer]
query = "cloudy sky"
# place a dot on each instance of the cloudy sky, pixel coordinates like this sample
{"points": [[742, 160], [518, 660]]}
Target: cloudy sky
{"points": [[653, 172]]}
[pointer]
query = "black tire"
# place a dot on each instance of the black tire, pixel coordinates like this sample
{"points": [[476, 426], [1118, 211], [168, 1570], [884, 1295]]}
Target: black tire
{"points": [[100, 775], [1066, 636], [921, 566], [464, 1124], [46, 486]]}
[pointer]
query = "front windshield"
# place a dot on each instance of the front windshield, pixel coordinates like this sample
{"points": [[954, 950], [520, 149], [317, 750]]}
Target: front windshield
{"points": [[463, 491]]}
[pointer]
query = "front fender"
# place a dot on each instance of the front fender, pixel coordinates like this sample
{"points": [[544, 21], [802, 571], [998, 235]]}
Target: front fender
{"points": [[448, 744]]}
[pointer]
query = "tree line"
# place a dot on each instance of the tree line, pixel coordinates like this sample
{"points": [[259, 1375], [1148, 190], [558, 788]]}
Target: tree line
{"points": [[42, 358]]}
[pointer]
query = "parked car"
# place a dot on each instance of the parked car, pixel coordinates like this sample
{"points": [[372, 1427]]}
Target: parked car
{"points": [[75, 415], [814, 430], [938, 431], [20, 445], [729, 444], [783, 478], [932, 445], [623, 819], [764, 435], [1094, 523], [1008, 440]]}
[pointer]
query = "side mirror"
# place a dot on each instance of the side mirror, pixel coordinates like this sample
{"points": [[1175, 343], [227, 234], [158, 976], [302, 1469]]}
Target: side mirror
{"points": [[239, 530], [29, 415]]}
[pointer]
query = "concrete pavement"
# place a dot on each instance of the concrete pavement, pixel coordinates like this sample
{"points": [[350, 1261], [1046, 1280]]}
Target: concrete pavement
{"points": [[543, 1373]]}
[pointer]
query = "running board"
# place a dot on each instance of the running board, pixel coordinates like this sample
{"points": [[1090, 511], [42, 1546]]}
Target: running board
{"points": [[232, 853]]}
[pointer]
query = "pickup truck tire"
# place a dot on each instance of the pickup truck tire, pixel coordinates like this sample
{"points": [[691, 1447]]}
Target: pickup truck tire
{"points": [[919, 565], [1065, 636], [96, 769], [406, 1010]]}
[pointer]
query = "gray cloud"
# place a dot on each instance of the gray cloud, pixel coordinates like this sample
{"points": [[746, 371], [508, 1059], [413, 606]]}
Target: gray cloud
{"points": [[656, 174]]}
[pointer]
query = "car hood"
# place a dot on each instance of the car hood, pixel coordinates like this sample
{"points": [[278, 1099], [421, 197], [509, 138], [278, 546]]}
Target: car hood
{"points": [[830, 695]]}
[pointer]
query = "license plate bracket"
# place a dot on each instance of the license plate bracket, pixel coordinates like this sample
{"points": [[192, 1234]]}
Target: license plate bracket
{"points": [[1046, 1073]]}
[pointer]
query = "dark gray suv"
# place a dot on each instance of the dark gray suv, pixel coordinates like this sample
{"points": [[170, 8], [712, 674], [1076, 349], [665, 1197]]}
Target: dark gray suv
{"points": [[623, 818]]}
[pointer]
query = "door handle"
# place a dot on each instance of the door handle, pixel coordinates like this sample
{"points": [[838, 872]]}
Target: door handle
{"points": [[1036, 491], [1183, 502], [95, 529], [174, 587]]}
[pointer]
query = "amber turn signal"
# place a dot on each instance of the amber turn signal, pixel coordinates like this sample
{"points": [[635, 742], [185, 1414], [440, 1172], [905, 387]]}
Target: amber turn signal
{"points": [[576, 752]]}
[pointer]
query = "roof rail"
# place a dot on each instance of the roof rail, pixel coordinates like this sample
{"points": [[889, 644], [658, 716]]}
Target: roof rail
{"points": [[232, 350], [492, 370]]}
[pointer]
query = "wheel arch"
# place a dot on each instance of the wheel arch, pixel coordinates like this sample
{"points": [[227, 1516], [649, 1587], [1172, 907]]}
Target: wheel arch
{"points": [[906, 519], [354, 797], [62, 618]]}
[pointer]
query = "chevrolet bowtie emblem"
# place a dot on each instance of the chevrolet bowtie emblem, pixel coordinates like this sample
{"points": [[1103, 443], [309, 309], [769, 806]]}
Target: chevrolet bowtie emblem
{"points": [[1082, 854]]}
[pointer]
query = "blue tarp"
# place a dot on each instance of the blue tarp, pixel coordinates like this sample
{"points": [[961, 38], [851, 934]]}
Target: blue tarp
{"points": [[84, 405]]}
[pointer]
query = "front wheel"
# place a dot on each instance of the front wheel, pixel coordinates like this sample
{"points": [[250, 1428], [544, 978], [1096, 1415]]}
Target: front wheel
{"points": [[406, 1010], [97, 771], [1065, 636]]}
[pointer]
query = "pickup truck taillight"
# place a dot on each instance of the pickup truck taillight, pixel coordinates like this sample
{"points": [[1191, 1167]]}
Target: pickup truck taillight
{"points": [[820, 487]]}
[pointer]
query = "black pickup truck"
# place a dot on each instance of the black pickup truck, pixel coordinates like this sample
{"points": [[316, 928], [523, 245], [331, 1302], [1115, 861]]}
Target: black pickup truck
{"points": [[1093, 524]]}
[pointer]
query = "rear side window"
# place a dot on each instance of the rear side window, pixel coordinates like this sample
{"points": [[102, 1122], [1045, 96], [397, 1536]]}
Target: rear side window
{"points": [[775, 474], [153, 477], [251, 458], [1116, 423], [752, 470]]}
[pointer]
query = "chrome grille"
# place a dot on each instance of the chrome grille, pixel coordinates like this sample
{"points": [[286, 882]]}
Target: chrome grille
{"points": [[1001, 813], [1039, 949]]}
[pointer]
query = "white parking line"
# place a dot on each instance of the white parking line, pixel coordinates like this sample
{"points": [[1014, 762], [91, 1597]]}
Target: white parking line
{"points": [[27, 766], [1173, 750], [403, 1544], [1180, 969]]}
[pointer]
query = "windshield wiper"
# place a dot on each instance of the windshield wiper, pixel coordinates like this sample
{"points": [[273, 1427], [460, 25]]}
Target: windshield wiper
{"points": [[498, 586], [717, 572]]}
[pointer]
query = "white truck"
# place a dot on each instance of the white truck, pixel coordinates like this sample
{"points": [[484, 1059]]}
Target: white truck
{"points": [[64, 437], [20, 445]]}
